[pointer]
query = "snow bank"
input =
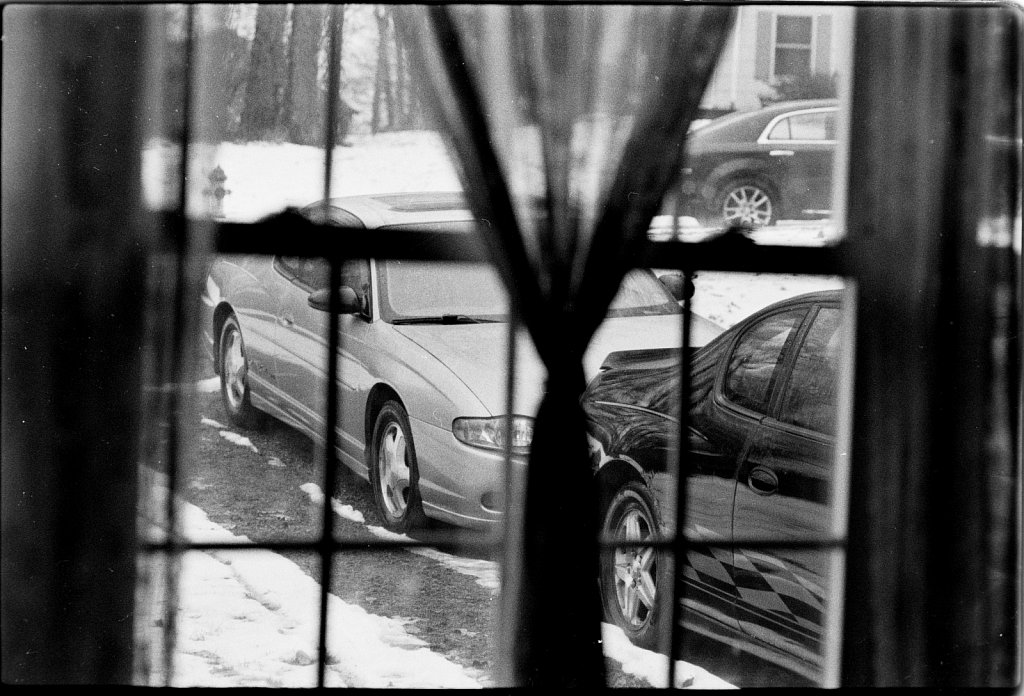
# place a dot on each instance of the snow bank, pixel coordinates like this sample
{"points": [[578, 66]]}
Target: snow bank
{"points": [[249, 618]]}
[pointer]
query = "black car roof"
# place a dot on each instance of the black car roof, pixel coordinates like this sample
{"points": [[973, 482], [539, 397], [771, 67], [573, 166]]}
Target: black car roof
{"points": [[748, 125]]}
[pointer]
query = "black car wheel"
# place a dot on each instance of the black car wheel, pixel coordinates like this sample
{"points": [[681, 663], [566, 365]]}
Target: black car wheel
{"points": [[746, 202], [393, 473], [234, 376], [630, 575]]}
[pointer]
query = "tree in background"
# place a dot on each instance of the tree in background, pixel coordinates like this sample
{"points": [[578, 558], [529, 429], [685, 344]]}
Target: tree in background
{"points": [[268, 71], [303, 100], [394, 105]]}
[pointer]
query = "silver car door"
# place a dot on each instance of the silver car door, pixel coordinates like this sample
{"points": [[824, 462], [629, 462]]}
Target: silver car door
{"points": [[301, 359]]}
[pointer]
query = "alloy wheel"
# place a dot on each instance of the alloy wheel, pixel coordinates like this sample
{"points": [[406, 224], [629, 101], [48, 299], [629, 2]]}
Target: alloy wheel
{"points": [[394, 473], [234, 370], [747, 205], [635, 568]]}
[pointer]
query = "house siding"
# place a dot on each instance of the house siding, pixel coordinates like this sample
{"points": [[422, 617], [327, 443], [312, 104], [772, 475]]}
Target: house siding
{"points": [[743, 76]]}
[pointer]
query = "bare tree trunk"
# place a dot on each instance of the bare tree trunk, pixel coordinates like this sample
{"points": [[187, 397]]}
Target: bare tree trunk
{"points": [[343, 110], [383, 86], [403, 96], [267, 68], [303, 112]]}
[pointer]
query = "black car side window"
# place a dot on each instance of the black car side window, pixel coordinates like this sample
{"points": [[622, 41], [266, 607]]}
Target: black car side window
{"points": [[810, 400], [812, 126], [755, 359], [780, 131]]}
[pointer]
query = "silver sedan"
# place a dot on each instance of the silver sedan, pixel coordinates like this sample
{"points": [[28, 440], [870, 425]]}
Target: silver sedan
{"points": [[422, 359]]}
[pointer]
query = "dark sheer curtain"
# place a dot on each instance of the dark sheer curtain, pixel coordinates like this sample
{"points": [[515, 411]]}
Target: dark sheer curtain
{"points": [[568, 123], [933, 562]]}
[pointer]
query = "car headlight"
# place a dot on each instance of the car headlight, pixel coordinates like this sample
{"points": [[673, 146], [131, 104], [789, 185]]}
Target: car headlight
{"points": [[492, 433]]}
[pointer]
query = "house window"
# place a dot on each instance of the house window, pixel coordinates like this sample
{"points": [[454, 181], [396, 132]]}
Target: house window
{"points": [[792, 46]]}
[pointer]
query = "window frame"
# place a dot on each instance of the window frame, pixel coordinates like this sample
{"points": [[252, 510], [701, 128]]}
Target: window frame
{"points": [[721, 379], [764, 138], [811, 47], [783, 389]]}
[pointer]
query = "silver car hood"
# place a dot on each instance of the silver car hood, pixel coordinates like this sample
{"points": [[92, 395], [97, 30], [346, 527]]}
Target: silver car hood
{"points": [[477, 353]]}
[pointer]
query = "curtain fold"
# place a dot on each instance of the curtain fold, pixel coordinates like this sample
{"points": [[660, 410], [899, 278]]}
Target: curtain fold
{"points": [[568, 125]]}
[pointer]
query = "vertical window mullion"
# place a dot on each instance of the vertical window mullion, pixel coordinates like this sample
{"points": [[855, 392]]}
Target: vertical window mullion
{"points": [[679, 538], [333, 348], [180, 249]]}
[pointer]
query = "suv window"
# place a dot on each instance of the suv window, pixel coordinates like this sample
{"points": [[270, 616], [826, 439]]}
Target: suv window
{"points": [[810, 400], [756, 357]]}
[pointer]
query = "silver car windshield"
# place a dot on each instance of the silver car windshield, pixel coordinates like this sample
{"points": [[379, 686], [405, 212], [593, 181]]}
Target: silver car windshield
{"points": [[438, 292]]}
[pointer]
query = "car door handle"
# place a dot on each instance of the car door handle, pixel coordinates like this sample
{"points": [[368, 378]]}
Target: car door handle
{"points": [[781, 153], [286, 320], [763, 481]]}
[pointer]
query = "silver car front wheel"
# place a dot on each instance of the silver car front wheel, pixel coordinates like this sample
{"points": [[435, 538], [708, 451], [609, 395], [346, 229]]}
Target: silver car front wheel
{"points": [[393, 473]]}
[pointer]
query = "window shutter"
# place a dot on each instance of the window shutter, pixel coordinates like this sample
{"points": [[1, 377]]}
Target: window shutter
{"points": [[823, 52], [762, 54]]}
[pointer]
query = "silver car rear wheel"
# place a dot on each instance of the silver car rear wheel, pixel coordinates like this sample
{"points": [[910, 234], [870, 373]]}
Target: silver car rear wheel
{"points": [[234, 376]]}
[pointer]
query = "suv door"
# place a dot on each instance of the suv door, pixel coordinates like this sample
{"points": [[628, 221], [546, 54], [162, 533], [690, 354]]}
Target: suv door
{"points": [[784, 491]]}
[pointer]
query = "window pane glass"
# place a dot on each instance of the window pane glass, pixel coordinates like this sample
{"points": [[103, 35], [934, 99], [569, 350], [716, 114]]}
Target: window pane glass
{"points": [[758, 353], [796, 199], [811, 395], [792, 62], [781, 130], [810, 126], [793, 30]]}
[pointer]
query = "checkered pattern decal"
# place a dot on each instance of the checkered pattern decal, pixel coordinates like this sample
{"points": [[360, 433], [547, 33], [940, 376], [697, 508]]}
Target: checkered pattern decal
{"points": [[764, 583]]}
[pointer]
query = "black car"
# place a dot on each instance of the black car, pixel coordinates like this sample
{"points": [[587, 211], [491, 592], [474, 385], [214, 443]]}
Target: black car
{"points": [[761, 448], [754, 168]]}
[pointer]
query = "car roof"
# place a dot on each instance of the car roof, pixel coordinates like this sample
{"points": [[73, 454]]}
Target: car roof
{"points": [[748, 125], [385, 209], [818, 296]]}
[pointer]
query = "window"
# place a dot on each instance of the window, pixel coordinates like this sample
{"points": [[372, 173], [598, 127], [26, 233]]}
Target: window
{"points": [[818, 125], [939, 315], [756, 358], [792, 46], [810, 400]]}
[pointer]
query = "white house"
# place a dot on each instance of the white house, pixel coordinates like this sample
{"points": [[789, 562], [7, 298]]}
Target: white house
{"points": [[772, 42]]}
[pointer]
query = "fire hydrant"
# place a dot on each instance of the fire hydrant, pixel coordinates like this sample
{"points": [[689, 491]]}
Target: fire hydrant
{"points": [[215, 192]]}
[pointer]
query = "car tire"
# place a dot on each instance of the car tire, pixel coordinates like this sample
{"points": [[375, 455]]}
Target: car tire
{"points": [[632, 576], [393, 472], [234, 376], [747, 202]]}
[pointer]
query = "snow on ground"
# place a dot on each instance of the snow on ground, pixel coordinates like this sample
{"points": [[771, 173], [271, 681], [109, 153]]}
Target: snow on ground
{"points": [[240, 440], [208, 386], [250, 618], [263, 178], [485, 572], [652, 666]]}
